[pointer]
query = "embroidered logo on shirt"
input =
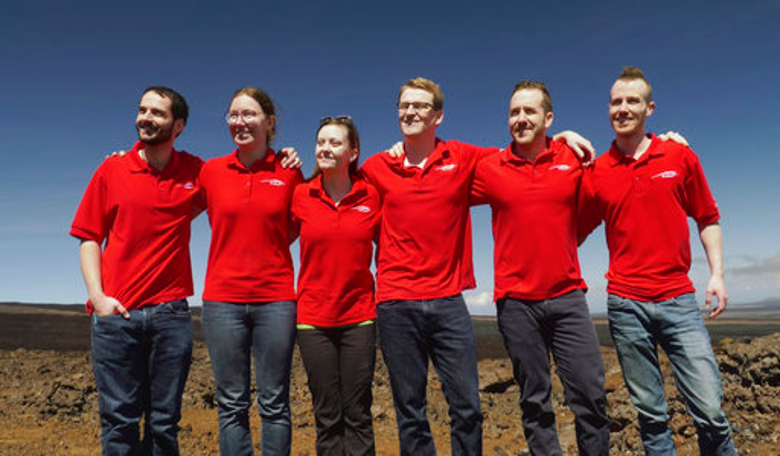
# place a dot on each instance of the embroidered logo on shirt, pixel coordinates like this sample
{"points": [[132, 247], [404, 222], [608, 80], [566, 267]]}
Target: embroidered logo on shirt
{"points": [[363, 209], [446, 168], [665, 175], [274, 182], [186, 185], [560, 167]]}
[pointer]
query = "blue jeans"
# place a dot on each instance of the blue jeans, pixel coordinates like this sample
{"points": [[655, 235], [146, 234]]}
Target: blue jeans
{"points": [[637, 328], [141, 366], [409, 333], [234, 331], [563, 326]]}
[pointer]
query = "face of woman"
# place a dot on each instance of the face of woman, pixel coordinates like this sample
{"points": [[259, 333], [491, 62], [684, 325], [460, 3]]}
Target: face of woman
{"points": [[249, 126], [334, 152]]}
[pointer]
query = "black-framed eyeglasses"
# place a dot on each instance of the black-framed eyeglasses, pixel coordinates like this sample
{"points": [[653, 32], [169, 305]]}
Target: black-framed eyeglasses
{"points": [[417, 106], [336, 119]]}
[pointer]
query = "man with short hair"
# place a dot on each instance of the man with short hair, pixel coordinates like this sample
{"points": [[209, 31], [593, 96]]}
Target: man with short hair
{"points": [[533, 187], [424, 262], [134, 226], [644, 190], [423, 265]]}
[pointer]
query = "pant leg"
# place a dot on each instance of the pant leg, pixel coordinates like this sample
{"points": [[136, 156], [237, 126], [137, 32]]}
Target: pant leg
{"points": [[580, 367], [402, 339], [632, 327], [273, 341], [320, 353], [119, 364], [226, 327], [522, 327], [685, 339], [357, 357], [169, 329], [453, 350]]}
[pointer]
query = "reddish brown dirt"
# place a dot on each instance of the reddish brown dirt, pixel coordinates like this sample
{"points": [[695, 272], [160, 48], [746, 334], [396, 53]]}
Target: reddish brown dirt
{"points": [[48, 403]]}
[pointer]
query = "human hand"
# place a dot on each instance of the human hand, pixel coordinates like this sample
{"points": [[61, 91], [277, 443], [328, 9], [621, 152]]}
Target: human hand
{"points": [[397, 150], [290, 158], [673, 136], [106, 305], [581, 146], [716, 287]]}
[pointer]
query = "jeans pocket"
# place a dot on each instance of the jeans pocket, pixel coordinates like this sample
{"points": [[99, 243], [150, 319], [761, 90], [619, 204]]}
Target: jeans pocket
{"points": [[615, 302], [180, 307], [687, 300]]}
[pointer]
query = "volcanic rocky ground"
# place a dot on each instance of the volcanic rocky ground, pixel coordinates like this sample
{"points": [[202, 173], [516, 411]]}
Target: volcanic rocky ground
{"points": [[48, 402]]}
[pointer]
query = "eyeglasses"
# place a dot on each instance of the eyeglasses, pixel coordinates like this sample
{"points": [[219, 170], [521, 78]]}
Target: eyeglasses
{"points": [[336, 120], [416, 106], [234, 117]]}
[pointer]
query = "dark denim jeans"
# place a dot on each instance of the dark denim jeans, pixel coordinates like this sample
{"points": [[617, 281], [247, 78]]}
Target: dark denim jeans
{"points": [[234, 332], [339, 364], [563, 326], [637, 328], [141, 366], [409, 333]]}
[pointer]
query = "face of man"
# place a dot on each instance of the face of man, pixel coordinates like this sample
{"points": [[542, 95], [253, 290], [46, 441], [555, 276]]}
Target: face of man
{"points": [[528, 121], [154, 122], [628, 106], [416, 114]]}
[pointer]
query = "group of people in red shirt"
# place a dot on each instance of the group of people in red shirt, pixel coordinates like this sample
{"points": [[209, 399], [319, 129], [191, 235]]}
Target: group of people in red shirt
{"points": [[413, 202]]}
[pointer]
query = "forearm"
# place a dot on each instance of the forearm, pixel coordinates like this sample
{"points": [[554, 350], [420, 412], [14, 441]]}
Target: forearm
{"points": [[89, 253], [712, 240]]}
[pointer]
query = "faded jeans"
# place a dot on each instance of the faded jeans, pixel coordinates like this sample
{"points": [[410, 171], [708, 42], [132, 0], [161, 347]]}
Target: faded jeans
{"points": [[266, 330], [637, 328]]}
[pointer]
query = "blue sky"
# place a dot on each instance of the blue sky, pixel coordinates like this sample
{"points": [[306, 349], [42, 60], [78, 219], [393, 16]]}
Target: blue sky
{"points": [[73, 73]]}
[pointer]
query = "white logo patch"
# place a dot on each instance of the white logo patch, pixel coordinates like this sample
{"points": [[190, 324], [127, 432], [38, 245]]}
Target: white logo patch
{"points": [[186, 185], [665, 175], [363, 209], [446, 168], [274, 182], [560, 167]]}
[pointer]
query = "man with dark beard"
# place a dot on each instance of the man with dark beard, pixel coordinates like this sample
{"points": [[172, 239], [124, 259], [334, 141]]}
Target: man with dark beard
{"points": [[134, 226]]}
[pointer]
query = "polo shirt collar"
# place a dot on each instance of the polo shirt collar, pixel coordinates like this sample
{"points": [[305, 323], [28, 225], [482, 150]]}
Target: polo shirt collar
{"points": [[264, 163], [552, 149], [617, 158], [139, 165], [358, 190], [440, 152]]}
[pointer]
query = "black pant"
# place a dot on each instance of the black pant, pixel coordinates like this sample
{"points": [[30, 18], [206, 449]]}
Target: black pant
{"points": [[563, 325], [340, 365]]}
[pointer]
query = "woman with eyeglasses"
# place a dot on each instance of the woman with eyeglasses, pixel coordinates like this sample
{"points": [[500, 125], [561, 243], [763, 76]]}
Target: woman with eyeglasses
{"points": [[249, 297], [337, 214]]}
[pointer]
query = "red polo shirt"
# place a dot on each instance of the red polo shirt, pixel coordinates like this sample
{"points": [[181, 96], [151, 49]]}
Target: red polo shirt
{"points": [[249, 257], [144, 216], [534, 205], [425, 241], [645, 204], [335, 284]]}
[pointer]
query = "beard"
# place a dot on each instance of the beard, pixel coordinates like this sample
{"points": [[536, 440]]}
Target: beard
{"points": [[152, 134]]}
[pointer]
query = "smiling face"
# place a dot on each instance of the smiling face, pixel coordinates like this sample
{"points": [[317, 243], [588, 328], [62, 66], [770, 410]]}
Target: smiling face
{"points": [[416, 112], [528, 119], [154, 122], [629, 106], [334, 152], [249, 125]]}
